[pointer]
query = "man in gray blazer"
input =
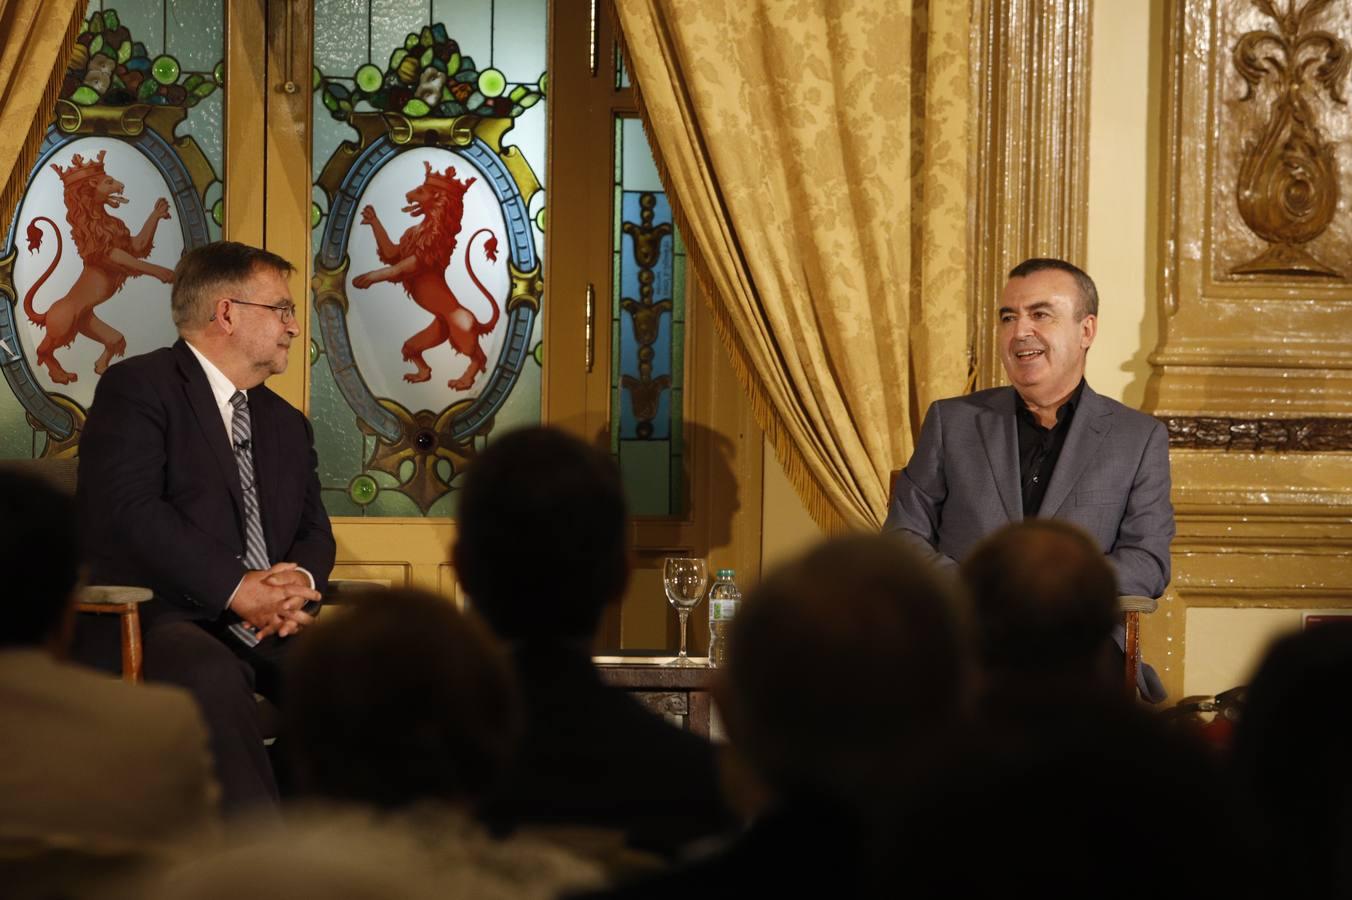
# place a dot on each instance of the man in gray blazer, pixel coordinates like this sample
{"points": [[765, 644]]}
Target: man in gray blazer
{"points": [[1046, 446]]}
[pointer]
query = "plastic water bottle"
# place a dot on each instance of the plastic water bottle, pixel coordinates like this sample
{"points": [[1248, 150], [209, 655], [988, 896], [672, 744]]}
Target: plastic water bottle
{"points": [[724, 598]]}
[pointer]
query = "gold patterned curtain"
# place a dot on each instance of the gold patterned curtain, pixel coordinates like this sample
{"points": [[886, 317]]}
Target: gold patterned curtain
{"points": [[36, 37], [816, 153]]}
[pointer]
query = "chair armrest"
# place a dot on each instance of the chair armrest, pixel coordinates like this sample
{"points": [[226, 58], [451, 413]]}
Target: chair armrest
{"points": [[341, 589], [111, 595], [1130, 603]]}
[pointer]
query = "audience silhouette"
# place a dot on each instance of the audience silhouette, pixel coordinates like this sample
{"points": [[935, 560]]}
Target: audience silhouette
{"points": [[542, 549], [399, 699], [1290, 762], [849, 667], [1046, 602], [907, 734], [401, 715], [95, 774], [1064, 788]]}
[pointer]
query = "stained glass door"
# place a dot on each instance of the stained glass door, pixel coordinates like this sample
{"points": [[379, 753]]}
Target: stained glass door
{"points": [[129, 175], [428, 217]]}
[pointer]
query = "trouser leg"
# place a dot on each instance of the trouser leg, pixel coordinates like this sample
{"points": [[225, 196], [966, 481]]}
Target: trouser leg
{"points": [[185, 654]]}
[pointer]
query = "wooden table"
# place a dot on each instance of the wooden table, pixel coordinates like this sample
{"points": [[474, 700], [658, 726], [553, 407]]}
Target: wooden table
{"points": [[667, 690]]}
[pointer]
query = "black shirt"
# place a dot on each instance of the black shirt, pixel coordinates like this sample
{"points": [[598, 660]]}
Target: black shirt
{"points": [[1040, 448]]}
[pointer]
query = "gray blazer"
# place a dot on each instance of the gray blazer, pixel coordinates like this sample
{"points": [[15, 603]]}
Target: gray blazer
{"points": [[1112, 480]]}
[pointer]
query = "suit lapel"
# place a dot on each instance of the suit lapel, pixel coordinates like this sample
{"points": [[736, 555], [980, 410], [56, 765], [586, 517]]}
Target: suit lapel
{"points": [[203, 404], [1092, 422], [997, 428]]}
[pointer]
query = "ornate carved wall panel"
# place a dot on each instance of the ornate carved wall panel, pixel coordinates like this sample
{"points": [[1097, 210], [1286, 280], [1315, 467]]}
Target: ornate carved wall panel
{"points": [[1253, 374], [1030, 79], [1255, 531], [1257, 254]]}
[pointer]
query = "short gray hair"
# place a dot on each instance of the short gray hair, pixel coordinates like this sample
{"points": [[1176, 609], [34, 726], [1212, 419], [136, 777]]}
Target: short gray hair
{"points": [[204, 270]]}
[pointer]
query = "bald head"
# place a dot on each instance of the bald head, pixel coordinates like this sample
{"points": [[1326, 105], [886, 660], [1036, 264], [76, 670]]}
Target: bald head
{"points": [[1045, 596]]}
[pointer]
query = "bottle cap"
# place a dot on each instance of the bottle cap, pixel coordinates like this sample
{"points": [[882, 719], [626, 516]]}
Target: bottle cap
{"points": [[727, 573]]}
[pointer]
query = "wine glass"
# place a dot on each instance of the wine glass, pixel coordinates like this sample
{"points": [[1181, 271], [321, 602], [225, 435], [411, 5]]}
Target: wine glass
{"points": [[684, 579]]}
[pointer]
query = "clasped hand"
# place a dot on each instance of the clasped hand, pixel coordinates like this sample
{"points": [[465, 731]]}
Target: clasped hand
{"points": [[271, 599]]}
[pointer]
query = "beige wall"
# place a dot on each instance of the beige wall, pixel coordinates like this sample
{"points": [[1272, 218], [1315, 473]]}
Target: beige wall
{"points": [[786, 528], [1123, 134]]}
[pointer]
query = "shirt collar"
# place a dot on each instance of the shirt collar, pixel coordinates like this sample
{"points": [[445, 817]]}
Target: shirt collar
{"points": [[222, 388], [1063, 412]]}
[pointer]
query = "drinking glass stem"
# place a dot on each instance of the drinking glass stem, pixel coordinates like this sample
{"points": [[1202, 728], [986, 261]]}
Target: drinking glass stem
{"points": [[684, 615]]}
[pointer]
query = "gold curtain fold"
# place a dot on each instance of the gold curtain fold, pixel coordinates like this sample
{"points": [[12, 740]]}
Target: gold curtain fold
{"points": [[816, 156], [36, 37]]}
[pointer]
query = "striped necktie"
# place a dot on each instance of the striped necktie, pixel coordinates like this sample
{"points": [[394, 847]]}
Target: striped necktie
{"points": [[241, 429]]}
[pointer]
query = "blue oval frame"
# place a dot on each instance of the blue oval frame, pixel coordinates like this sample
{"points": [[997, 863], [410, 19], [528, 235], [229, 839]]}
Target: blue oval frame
{"points": [[333, 318], [192, 221]]}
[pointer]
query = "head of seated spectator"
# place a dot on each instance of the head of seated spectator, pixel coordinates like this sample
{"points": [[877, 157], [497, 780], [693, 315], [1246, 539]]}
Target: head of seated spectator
{"points": [[542, 536], [40, 555], [398, 698], [847, 668], [1290, 761], [1045, 600]]}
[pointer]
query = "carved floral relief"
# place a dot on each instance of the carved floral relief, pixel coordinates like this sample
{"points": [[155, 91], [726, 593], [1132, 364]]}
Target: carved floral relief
{"points": [[1284, 131]]}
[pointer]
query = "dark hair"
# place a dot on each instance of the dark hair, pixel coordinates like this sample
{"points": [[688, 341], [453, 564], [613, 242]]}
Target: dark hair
{"points": [[542, 541], [1088, 293], [398, 697], [206, 269], [844, 665], [40, 556], [1045, 596]]}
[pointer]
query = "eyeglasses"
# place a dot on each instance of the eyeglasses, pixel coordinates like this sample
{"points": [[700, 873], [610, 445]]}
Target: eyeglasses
{"points": [[286, 312]]}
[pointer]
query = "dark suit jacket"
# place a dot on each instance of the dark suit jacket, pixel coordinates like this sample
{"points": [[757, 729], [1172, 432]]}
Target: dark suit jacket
{"points": [[1112, 480], [591, 755], [159, 493]]}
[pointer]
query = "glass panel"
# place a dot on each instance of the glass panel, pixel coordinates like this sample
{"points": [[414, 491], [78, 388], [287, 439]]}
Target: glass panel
{"points": [[428, 230], [131, 162], [621, 70], [648, 321]]}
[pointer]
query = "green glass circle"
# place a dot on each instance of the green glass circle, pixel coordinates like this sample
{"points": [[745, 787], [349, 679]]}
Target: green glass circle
{"points": [[219, 73], [538, 354], [491, 83], [314, 352], [540, 219], [363, 489], [165, 69], [316, 79], [544, 83], [218, 212], [315, 214], [369, 78]]}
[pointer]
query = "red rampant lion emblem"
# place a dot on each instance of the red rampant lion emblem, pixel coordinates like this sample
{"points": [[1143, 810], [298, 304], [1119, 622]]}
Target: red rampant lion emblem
{"points": [[418, 264], [110, 253]]}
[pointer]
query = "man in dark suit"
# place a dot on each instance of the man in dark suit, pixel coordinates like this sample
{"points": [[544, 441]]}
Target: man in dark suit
{"points": [[198, 482], [1047, 446], [542, 550]]}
